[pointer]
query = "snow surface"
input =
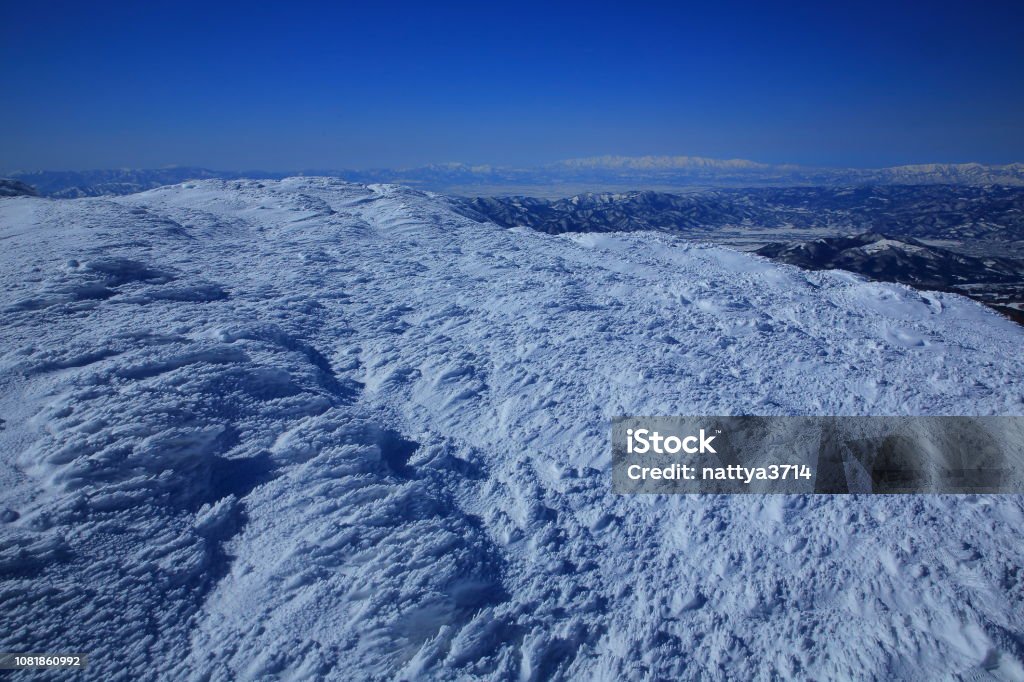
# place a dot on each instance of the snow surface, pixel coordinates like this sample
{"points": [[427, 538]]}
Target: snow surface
{"points": [[305, 429]]}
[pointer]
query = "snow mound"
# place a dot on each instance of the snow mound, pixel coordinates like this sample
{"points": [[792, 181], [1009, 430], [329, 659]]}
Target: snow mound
{"points": [[310, 429]]}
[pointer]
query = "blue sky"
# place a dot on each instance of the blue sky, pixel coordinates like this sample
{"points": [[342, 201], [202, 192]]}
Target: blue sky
{"points": [[288, 86]]}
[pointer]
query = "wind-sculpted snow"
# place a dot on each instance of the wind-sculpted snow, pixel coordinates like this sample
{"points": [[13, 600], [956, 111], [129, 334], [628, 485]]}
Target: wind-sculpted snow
{"points": [[307, 429]]}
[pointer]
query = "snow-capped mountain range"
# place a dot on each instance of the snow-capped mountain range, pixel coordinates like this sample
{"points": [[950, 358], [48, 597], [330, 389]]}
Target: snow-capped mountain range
{"points": [[307, 429], [648, 172], [936, 212]]}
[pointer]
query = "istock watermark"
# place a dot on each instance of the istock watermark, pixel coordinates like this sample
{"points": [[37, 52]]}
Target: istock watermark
{"points": [[829, 455], [652, 441]]}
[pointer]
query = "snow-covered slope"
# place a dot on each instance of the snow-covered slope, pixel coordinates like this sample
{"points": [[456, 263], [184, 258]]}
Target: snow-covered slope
{"points": [[310, 429]]}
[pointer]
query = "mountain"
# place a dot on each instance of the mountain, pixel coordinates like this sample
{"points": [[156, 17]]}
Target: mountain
{"points": [[310, 429], [593, 174], [647, 163], [687, 170], [989, 219], [1011, 174], [888, 259], [929, 211], [14, 188], [998, 282], [74, 184], [608, 212]]}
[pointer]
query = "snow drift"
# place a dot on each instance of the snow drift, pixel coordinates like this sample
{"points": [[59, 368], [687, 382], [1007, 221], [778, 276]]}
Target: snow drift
{"points": [[307, 429]]}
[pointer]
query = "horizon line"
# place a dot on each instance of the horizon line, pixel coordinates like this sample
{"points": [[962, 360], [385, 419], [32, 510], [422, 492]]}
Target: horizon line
{"points": [[483, 167]]}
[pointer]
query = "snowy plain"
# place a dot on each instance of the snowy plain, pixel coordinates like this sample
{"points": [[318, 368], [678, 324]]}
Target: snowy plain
{"points": [[310, 429]]}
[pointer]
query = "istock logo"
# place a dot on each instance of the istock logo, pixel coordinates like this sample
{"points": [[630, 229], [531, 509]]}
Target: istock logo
{"points": [[652, 441]]}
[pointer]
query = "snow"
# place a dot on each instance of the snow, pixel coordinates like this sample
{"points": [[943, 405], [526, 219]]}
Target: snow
{"points": [[306, 429], [885, 244]]}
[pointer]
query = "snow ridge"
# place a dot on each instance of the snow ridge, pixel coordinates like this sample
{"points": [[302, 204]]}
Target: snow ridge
{"points": [[306, 428]]}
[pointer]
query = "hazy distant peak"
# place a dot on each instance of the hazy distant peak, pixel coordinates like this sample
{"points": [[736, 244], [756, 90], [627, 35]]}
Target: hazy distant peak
{"points": [[957, 167], [659, 162], [604, 173]]}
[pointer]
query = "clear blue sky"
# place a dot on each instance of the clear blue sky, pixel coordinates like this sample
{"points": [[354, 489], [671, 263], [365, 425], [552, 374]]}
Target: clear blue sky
{"points": [[288, 86]]}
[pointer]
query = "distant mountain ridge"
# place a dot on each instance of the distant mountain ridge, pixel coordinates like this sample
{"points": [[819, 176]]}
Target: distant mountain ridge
{"points": [[645, 172], [15, 188], [890, 259], [662, 162], [929, 211], [997, 282], [119, 181]]}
